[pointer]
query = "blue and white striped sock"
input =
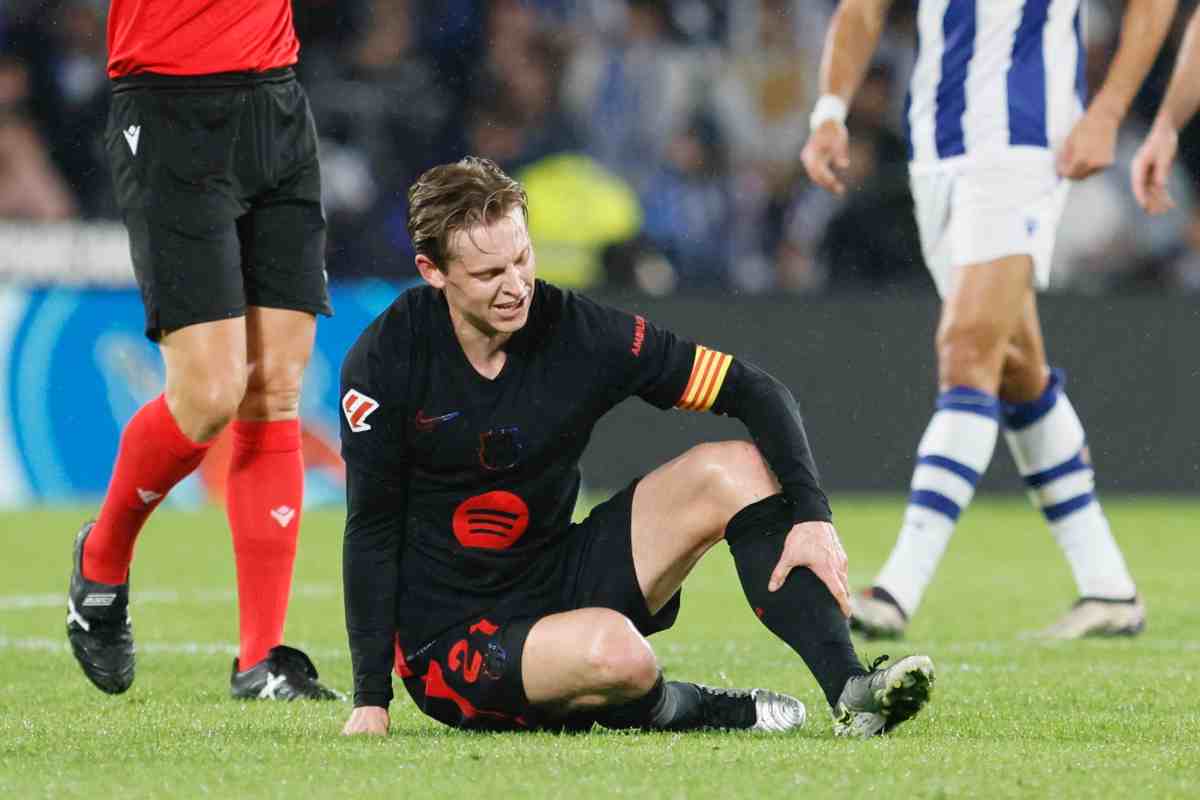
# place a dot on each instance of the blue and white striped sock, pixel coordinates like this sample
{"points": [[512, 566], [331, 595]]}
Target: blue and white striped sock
{"points": [[954, 452], [1048, 444]]}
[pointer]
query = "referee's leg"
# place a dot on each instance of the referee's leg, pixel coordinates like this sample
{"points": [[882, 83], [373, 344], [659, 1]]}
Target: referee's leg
{"points": [[265, 486]]}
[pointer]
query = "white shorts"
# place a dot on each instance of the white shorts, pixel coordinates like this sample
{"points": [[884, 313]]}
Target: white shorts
{"points": [[971, 213]]}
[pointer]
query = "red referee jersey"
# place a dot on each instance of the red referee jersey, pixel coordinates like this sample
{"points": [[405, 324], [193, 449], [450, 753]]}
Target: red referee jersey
{"points": [[199, 37]]}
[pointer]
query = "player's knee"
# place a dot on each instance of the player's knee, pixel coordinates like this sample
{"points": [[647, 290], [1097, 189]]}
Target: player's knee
{"points": [[967, 347], [730, 470], [1022, 383], [275, 393], [204, 407], [619, 658]]}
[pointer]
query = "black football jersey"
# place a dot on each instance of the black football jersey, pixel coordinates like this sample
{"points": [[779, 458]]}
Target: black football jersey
{"points": [[492, 465]]}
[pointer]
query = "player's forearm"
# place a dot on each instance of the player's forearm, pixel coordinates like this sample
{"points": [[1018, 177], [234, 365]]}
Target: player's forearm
{"points": [[1183, 93], [768, 410], [371, 582], [849, 45], [1143, 29]]}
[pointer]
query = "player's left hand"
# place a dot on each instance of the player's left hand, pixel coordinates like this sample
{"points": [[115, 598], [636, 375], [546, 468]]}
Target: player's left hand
{"points": [[815, 545], [367, 720], [1091, 146]]}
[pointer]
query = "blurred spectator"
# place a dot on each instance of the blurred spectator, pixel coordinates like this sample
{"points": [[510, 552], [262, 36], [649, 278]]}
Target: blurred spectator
{"points": [[697, 108], [1106, 243], [865, 239], [687, 204], [30, 186], [78, 65], [516, 115], [763, 95], [382, 116], [577, 210], [630, 93]]}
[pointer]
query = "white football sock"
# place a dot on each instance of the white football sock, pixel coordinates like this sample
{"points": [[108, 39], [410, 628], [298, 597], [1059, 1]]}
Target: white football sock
{"points": [[1048, 443], [953, 454]]}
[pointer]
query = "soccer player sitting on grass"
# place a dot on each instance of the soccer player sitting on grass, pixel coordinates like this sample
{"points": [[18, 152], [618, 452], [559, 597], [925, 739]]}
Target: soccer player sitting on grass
{"points": [[467, 405]]}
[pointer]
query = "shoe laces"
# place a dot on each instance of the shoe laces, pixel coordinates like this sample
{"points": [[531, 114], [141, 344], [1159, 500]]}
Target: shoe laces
{"points": [[737, 694], [877, 663]]}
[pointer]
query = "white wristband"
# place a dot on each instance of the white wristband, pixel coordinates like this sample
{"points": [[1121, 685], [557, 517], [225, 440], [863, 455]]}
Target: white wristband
{"points": [[828, 107]]}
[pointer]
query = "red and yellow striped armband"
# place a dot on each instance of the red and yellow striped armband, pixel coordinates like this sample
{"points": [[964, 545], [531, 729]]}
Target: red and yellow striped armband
{"points": [[708, 374]]}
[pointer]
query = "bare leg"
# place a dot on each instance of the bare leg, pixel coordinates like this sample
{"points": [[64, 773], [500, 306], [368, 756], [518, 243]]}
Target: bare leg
{"points": [[987, 329], [1025, 369], [1048, 444], [279, 343], [206, 375]]}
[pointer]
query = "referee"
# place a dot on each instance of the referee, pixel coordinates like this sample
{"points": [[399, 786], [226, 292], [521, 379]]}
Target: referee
{"points": [[214, 158]]}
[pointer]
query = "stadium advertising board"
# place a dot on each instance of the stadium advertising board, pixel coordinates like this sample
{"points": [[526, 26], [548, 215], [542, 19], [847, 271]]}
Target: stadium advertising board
{"points": [[75, 365]]}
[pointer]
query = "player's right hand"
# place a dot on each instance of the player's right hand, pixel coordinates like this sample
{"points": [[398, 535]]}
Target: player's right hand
{"points": [[1152, 166], [369, 720], [815, 545], [827, 153]]}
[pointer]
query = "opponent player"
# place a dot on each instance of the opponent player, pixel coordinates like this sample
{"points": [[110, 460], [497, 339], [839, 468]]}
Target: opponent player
{"points": [[997, 130], [214, 157], [467, 406], [1152, 164]]}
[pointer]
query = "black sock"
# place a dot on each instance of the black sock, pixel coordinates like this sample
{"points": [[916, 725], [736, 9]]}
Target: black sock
{"points": [[669, 705], [802, 612]]}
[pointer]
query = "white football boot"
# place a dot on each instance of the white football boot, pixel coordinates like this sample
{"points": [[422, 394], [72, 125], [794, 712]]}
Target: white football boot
{"points": [[749, 709], [1092, 616], [875, 618]]}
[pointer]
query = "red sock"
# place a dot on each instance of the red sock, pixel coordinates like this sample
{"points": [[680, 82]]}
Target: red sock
{"points": [[154, 456], [262, 498]]}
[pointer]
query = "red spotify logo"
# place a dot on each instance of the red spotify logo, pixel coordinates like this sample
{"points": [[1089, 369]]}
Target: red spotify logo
{"points": [[492, 521]]}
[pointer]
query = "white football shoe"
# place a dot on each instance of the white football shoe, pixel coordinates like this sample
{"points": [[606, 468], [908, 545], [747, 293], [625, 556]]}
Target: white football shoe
{"points": [[749, 709], [1093, 616], [875, 618]]}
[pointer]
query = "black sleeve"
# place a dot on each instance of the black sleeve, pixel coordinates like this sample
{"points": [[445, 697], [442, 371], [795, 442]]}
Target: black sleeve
{"points": [[371, 581], [373, 428], [637, 357], [769, 411], [668, 371]]}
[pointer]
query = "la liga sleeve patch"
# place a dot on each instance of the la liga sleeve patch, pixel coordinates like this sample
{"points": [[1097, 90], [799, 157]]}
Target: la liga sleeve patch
{"points": [[357, 407]]}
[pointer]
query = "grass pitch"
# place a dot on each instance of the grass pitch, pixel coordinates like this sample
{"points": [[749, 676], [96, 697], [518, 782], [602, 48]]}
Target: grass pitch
{"points": [[1009, 718]]}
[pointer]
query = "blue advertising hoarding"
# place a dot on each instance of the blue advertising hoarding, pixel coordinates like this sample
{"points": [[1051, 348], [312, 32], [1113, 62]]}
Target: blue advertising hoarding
{"points": [[75, 366]]}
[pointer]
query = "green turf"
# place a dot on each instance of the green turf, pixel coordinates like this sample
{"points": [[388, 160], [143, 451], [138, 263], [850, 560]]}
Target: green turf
{"points": [[1010, 717]]}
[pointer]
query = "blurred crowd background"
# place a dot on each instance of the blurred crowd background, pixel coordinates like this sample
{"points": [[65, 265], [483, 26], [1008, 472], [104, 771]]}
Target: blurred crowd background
{"points": [[659, 139]]}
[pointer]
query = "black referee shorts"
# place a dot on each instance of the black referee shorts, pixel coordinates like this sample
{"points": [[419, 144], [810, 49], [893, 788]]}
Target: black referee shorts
{"points": [[219, 182]]}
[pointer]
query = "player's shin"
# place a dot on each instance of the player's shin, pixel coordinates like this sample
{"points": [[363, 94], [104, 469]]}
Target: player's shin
{"points": [[952, 456], [154, 455], [682, 706], [1048, 444], [667, 706], [802, 612]]}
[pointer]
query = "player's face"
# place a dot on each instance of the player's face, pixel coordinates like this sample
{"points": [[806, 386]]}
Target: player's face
{"points": [[489, 279]]}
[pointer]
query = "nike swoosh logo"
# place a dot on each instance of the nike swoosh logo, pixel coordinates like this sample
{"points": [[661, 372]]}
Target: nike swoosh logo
{"points": [[426, 424]]}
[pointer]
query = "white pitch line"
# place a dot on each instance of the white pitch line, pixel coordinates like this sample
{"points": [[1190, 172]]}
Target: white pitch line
{"points": [[43, 645], [21, 602]]}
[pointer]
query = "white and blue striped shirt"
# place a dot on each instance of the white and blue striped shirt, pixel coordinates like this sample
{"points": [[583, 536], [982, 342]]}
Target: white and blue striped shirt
{"points": [[994, 75]]}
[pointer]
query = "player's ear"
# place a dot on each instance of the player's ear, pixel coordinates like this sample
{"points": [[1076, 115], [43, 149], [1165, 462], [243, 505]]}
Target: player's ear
{"points": [[429, 271]]}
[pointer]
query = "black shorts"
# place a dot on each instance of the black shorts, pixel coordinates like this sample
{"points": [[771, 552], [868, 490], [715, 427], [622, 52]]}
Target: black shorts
{"points": [[218, 179], [470, 676]]}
